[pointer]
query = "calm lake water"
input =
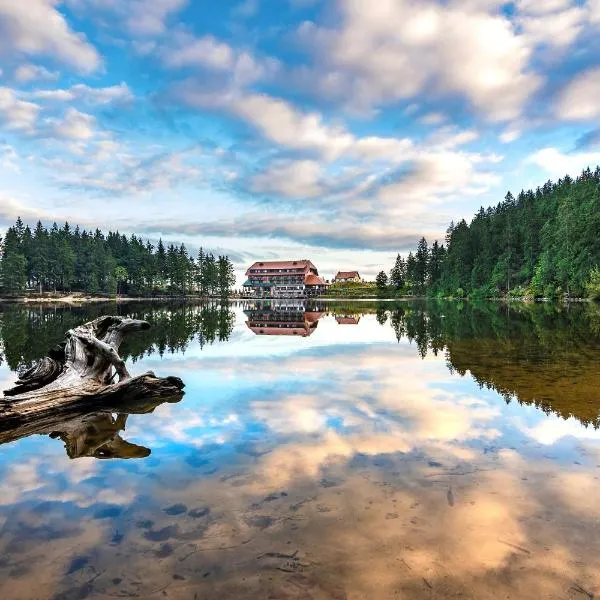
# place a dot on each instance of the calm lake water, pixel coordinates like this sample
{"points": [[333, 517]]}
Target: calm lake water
{"points": [[322, 452]]}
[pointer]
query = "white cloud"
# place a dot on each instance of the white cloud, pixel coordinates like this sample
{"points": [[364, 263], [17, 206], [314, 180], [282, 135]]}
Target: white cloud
{"points": [[10, 209], [432, 119], [554, 28], [28, 72], [9, 158], [82, 92], [37, 28], [347, 233], [510, 135], [395, 49], [358, 173], [15, 114], [207, 52], [579, 100], [107, 168], [554, 428], [557, 163], [542, 7], [374, 148], [595, 11], [280, 122], [449, 137], [148, 17], [247, 8], [433, 176], [75, 125], [104, 150], [292, 179], [140, 17]]}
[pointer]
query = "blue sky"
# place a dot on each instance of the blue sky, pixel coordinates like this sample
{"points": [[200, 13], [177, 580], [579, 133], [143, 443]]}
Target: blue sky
{"points": [[338, 130]]}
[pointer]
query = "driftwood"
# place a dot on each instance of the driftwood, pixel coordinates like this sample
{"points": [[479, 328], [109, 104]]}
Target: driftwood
{"points": [[78, 376]]}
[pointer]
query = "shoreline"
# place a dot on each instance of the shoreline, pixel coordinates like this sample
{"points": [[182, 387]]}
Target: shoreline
{"points": [[81, 300]]}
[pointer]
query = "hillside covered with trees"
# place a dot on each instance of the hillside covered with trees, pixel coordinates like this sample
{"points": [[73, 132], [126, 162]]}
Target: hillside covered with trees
{"points": [[543, 243], [68, 259]]}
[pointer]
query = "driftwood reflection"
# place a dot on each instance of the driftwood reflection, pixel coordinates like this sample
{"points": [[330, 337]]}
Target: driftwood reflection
{"points": [[96, 432], [98, 435]]}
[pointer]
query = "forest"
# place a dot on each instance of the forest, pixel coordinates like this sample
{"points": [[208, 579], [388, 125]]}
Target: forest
{"points": [[67, 259], [543, 243]]}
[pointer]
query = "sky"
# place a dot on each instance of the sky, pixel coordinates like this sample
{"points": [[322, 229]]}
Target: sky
{"points": [[336, 130]]}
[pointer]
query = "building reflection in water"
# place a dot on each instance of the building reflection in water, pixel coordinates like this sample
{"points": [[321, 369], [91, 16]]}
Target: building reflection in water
{"points": [[283, 318], [348, 319]]}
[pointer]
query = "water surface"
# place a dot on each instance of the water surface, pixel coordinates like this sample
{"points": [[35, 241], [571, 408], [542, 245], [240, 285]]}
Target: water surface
{"points": [[320, 452]]}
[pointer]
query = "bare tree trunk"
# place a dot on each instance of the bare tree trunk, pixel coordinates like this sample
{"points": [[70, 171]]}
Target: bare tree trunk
{"points": [[79, 374]]}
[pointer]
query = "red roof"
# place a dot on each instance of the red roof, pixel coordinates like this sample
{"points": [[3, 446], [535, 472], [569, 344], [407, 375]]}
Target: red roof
{"points": [[312, 316], [299, 331], [301, 265], [347, 320], [347, 275], [311, 279]]}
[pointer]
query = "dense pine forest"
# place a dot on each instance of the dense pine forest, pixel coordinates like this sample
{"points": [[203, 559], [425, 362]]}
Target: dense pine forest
{"points": [[543, 243], [66, 259]]}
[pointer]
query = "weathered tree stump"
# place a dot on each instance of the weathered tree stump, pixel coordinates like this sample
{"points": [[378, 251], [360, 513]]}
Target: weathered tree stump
{"points": [[79, 375]]}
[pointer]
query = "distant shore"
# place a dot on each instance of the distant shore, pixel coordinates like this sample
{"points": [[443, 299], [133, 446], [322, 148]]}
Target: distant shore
{"points": [[73, 299]]}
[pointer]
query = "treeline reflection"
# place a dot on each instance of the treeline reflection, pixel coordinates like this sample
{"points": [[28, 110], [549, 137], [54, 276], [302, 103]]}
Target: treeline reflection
{"points": [[28, 332], [538, 354]]}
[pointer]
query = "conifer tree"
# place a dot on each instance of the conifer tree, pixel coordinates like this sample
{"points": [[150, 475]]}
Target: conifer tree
{"points": [[398, 273]]}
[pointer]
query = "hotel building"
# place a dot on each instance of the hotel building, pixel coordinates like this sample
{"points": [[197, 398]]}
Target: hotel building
{"points": [[284, 279]]}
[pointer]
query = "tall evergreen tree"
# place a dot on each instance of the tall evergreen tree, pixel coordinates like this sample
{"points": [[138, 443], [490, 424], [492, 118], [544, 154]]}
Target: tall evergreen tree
{"points": [[200, 282], [14, 264], [421, 264], [398, 273], [226, 276], [381, 281]]}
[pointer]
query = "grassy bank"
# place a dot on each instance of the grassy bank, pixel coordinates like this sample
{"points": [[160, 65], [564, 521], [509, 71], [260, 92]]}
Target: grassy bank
{"points": [[352, 290], [362, 290]]}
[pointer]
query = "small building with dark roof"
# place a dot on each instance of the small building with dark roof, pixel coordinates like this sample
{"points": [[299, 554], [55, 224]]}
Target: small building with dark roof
{"points": [[347, 276]]}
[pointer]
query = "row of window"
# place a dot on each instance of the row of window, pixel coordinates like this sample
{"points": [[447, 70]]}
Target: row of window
{"points": [[276, 271], [285, 281]]}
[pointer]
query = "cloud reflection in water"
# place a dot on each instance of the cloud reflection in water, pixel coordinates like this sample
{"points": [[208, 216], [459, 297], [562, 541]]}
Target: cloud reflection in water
{"points": [[322, 467]]}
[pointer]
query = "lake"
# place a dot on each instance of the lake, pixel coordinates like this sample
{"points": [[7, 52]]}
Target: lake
{"points": [[358, 451]]}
